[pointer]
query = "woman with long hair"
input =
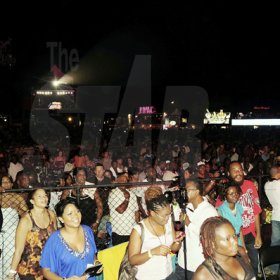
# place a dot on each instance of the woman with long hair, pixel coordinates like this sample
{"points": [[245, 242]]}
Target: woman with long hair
{"points": [[33, 230]]}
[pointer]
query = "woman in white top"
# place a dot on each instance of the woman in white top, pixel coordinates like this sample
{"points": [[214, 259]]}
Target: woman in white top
{"points": [[152, 255]]}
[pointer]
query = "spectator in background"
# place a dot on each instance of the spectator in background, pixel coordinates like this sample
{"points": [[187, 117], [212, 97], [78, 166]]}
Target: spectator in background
{"points": [[13, 206], [22, 182], [103, 193], [108, 174], [171, 172], [234, 154], [80, 159], [107, 160], [123, 211], [151, 177], [90, 203], [185, 174], [59, 160], [120, 166], [201, 170], [160, 167], [272, 191], [65, 180], [15, 166], [246, 165], [249, 200]]}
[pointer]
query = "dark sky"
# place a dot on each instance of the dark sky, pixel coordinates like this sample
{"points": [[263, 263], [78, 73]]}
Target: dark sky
{"points": [[231, 52]]}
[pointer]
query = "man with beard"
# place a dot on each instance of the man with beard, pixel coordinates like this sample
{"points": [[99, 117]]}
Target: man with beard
{"points": [[249, 200]]}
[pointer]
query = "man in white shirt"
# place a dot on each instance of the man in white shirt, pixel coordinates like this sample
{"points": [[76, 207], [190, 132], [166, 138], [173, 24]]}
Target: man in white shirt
{"points": [[123, 211], [151, 177], [14, 167], [272, 191], [197, 211]]}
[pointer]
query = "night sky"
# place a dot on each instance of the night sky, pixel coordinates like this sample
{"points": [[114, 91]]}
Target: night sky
{"points": [[231, 52]]}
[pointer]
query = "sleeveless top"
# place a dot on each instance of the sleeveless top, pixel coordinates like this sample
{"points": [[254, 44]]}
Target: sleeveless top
{"points": [[218, 273], [34, 243]]}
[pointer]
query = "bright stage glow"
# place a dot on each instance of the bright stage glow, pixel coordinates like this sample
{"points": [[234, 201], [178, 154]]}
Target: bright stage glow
{"points": [[56, 83], [255, 122]]}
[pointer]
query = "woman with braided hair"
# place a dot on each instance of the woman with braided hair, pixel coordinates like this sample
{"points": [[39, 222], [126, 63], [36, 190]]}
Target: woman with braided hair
{"points": [[152, 254], [224, 259]]}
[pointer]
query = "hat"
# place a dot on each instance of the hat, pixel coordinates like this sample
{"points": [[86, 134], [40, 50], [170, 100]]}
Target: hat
{"points": [[200, 163], [68, 167], [185, 165]]}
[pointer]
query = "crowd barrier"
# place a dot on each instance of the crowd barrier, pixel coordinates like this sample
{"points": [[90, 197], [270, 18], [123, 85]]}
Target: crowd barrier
{"points": [[120, 223]]}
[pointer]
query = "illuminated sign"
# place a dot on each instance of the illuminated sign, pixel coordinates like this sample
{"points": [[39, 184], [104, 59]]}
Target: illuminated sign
{"points": [[55, 106], [255, 122], [261, 108], [57, 92], [216, 118], [147, 110]]}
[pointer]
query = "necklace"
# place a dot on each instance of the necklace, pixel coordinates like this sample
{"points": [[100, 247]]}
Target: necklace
{"points": [[157, 234]]}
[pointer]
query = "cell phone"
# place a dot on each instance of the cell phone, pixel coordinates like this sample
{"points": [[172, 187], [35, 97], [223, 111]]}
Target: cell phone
{"points": [[182, 234], [92, 270]]}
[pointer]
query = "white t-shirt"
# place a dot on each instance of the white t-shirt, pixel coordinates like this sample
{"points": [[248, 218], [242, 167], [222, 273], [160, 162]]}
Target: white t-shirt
{"points": [[272, 191], [194, 249], [122, 224]]}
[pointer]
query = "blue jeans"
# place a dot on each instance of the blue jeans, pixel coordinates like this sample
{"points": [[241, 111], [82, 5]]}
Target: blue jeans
{"points": [[275, 241], [252, 251]]}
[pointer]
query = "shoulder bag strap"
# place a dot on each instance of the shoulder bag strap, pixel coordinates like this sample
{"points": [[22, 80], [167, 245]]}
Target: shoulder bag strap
{"points": [[142, 233]]}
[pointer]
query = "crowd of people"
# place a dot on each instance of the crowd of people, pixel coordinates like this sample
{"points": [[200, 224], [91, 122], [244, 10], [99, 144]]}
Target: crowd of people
{"points": [[59, 209]]}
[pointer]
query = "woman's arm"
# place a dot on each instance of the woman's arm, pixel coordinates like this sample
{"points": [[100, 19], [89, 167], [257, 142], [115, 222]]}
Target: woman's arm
{"points": [[135, 256], [177, 237], [53, 218], [22, 229], [65, 194], [134, 249]]}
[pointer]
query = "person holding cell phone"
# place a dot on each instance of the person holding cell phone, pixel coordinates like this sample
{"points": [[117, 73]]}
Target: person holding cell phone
{"points": [[152, 254], [71, 249]]}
